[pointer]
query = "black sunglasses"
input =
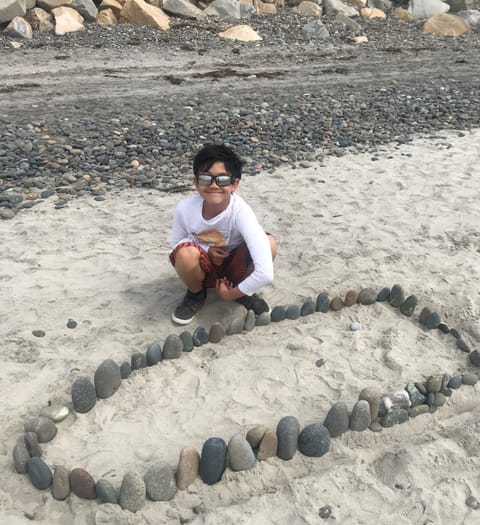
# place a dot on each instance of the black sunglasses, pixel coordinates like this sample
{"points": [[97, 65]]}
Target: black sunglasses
{"points": [[205, 179]]}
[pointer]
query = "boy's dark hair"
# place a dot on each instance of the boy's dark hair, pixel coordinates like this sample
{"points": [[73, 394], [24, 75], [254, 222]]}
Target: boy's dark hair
{"points": [[212, 153]]}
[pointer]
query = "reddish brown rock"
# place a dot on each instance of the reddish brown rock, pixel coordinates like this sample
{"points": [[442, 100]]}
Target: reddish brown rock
{"points": [[268, 446], [351, 297], [446, 25], [187, 470], [82, 484]]}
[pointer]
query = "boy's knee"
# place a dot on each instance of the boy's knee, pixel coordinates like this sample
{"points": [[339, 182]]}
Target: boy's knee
{"points": [[187, 255]]}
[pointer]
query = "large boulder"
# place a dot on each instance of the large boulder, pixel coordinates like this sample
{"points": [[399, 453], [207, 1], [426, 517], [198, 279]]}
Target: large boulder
{"points": [[48, 5], [114, 5], [462, 5], [472, 16], [67, 20], [446, 25], [140, 13], [423, 9], [9, 9], [308, 8], [337, 6], [86, 8], [40, 20], [242, 32], [230, 8], [183, 8], [19, 28], [106, 17]]}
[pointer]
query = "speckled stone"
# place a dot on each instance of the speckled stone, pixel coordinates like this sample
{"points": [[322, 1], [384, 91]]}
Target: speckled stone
{"points": [[39, 473], [455, 333], [31, 442], [56, 413], [263, 319], [394, 399], [463, 346], [395, 417], [213, 460], [337, 420], [443, 328], [138, 361], [469, 379], [153, 355], [372, 396], [351, 297], [424, 314], [278, 314], [416, 397], [187, 340], [397, 295], [433, 384], [433, 320], [308, 307], [132, 492], [240, 454], [235, 326], [268, 447], [367, 296], [418, 410], [360, 418], [408, 306], [160, 482], [455, 382], [383, 295], [255, 435], [125, 370], [292, 312], [106, 492], [107, 379], [217, 332], [323, 303], [61, 483], [20, 457], [173, 345], [474, 358], [314, 440], [288, 429], [200, 336], [439, 399], [82, 484], [336, 303], [249, 324], [43, 426], [188, 465]]}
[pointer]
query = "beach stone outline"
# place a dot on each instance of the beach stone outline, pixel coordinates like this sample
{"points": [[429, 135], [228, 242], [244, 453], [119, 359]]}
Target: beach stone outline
{"points": [[435, 389]]}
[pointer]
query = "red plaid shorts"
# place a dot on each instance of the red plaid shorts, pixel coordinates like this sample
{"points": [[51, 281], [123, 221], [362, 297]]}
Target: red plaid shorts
{"points": [[234, 267]]}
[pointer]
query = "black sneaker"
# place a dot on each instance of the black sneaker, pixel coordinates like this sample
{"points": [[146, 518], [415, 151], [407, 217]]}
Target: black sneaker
{"points": [[253, 302], [192, 302]]}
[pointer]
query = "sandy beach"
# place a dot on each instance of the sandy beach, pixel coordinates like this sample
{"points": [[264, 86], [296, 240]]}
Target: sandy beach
{"points": [[408, 216]]}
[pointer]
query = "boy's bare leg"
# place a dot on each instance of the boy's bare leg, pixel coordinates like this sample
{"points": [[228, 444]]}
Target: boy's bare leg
{"points": [[187, 266]]}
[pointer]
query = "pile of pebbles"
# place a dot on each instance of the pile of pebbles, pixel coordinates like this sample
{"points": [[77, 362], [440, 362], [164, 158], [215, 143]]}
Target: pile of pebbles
{"points": [[374, 410], [151, 144]]}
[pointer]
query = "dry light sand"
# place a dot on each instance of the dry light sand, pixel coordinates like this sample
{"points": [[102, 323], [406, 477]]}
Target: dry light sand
{"points": [[412, 217]]}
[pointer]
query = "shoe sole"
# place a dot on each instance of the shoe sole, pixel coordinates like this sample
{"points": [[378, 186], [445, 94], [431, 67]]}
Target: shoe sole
{"points": [[177, 320]]}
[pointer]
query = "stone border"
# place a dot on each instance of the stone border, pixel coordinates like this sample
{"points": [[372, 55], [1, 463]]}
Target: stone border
{"points": [[374, 410]]}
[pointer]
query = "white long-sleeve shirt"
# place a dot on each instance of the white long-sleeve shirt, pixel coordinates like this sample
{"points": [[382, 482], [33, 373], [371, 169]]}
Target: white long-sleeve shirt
{"points": [[238, 224]]}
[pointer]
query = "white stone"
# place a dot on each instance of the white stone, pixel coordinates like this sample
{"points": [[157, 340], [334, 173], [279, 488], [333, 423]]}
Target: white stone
{"points": [[423, 9], [355, 326], [230, 8], [9, 9], [67, 20], [20, 28], [241, 32]]}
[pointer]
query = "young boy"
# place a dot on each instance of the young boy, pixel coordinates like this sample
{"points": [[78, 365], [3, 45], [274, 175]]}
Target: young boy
{"points": [[216, 239]]}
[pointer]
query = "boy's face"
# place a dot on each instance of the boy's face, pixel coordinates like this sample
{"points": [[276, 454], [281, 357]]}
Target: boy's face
{"points": [[213, 193]]}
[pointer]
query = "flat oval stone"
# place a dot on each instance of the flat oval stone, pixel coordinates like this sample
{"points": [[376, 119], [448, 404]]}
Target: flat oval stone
{"points": [[395, 417], [408, 306], [138, 360], [288, 430], [367, 296], [153, 355], [397, 295], [355, 326], [61, 483], [416, 398], [255, 435], [474, 357], [107, 379], [240, 454], [383, 295], [187, 340], [71, 324], [439, 399], [463, 346], [336, 303], [337, 420], [20, 457], [314, 440], [160, 482], [472, 502], [132, 492], [39, 473], [249, 324], [360, 418], [372, 395], [292, 312], [217, 332], [351, 297], [38, 333], [308, 308], [56, 413], [469, 379], [418, 410], [278, 314], [443, 328], [455, 382], [44, 428], [455, 333], [199, 336], [433, 320], [125, 370], [424, 314], [188, 465], [31, 442], [235, 326], [106, 492], [268, 447], [213, 460], [433, 383], [263, 319], [173, 345], [323, 303], [82, 484]]}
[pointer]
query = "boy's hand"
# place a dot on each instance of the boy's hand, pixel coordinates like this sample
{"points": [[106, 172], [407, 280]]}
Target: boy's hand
{"points": [[217, 255], [224, 289]]}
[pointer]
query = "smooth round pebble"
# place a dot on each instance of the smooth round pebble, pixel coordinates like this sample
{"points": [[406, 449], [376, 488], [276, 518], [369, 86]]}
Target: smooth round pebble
{"points": [[61, 483], [308, 308], [372, 395], [443, 328], [463, 346], [173, 345], [217, 332], [39, 473], [383, 295], [351, 297], [472, 502], [235, 326], [187, 340], [408, 306], [355, 326], [455, 333], [395, 417], [314, 440], [433, 384], [360, 418], [107, 379], [240, 454], [199, 336], [44, 428], [474, 357], [56, 413], [84, 395], [336, 303], [416, 397], [337, 420], [268, 447], [138, 361], [288, 430], [71, 324], [424, 314], [397, 296], [433, 320], [31, 442], [38, 333], [263, 319], [132, 492], [20, 457], [106, 492], [213, 460], [160, 482], [188, 465], [125, 370], [323, 303], [292, 312], [250, 319], [367, 296], [153, 355], [469, 379], [278, 314], [255, 435], [82, 484]]}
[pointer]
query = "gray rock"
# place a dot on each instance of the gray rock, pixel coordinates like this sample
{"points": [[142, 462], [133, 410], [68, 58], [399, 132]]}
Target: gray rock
{"points": [[187, 340], [367, 296], [337, 420], [9, 9], [314, 440], [395, 417], [455, 382], [39, 473], [173, 346], [433, 320], [199, 336], [263, 319], [43, 426], [235, 326], [125, 370], [138, 360], [183, 8], [424, 314], [323, 303], [463, 346], [472, 16], [288, 430], [278, 314], [160, 482], [229, 8], [268, 447], [418, 410], [86, 8], [153, 355], [56, 413], [393, 400], [250, 320], [217, 332], [31, 442], [19, 28], [213, 460], [433, 384], [439, 399], [408, 306], [360, 418], [416, 397], [333, 7], [255, 435], [132, 492], [474, 358], [106, 492], [240, 453], [308, 308], [292, 312], [372, 396], [336, 303], [469, 379], [107, 379], [455, 333], [20, 457], [383, 295], [347, 21], [61, 483], [397, 296], [443, 328]]}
